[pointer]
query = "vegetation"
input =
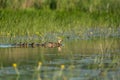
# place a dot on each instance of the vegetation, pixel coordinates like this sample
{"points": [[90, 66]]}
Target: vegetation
{"points": [[28, 17], [82, 5], [84, 21]]}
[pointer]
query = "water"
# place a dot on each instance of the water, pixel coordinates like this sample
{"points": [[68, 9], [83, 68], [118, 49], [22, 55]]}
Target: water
{"points": [[83, 60]]}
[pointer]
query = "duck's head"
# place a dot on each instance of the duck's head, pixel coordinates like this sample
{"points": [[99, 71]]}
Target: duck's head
{"points": [[59, 40]]}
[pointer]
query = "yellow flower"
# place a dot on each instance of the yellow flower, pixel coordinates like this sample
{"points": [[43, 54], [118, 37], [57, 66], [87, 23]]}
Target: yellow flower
{"points": [[62, 66], [14, 35], [39, 63], [8, 33], [37, 33], [39, 66], [91, 33], [22, 33], [14, 65], [110, 28]]}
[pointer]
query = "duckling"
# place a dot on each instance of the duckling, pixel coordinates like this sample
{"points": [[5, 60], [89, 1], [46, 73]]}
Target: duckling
{"points": [[20, 44], [43, 45], [15, 45], [25, 45], [33, 45], [38, 44]]}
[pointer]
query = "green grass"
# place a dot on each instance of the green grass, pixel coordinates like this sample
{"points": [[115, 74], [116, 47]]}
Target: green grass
{"points": [[24, 22], [47, 25]]}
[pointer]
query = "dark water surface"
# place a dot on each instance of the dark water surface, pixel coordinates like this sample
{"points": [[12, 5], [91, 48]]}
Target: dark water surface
{"points": [[83, 60]]}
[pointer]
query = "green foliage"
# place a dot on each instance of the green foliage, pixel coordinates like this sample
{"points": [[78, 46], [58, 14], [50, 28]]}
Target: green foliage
{"points": [[30, 16], [110, 6], [32, 21]]}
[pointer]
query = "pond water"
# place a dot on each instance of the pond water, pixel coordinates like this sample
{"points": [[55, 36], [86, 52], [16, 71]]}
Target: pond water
{"points": [[75, 60]]}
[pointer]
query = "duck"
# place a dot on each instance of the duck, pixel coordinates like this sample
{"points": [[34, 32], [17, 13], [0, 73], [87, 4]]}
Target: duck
{"points": [[33, 45], [19, 44], [38, 45], [25, 45], [53, 44]]}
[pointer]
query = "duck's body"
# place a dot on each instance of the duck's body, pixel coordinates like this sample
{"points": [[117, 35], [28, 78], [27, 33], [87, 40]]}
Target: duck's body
{"points": [[53, 44]]}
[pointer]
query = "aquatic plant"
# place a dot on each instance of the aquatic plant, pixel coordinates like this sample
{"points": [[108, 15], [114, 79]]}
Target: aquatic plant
{"points": [[16, 69], [36, 72], [59, 74], [39, 66]]}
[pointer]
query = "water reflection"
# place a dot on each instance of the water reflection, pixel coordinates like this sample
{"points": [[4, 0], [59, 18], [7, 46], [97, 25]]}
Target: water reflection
{"points": [[83, 60]]}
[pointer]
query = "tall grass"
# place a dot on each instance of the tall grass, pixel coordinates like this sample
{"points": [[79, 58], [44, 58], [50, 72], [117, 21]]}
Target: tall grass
{"points": [[38, 17], [39, 22], [82, 5]]}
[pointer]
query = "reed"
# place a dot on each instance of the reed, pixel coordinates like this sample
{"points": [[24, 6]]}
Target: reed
{"points": [[40, 23]]}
